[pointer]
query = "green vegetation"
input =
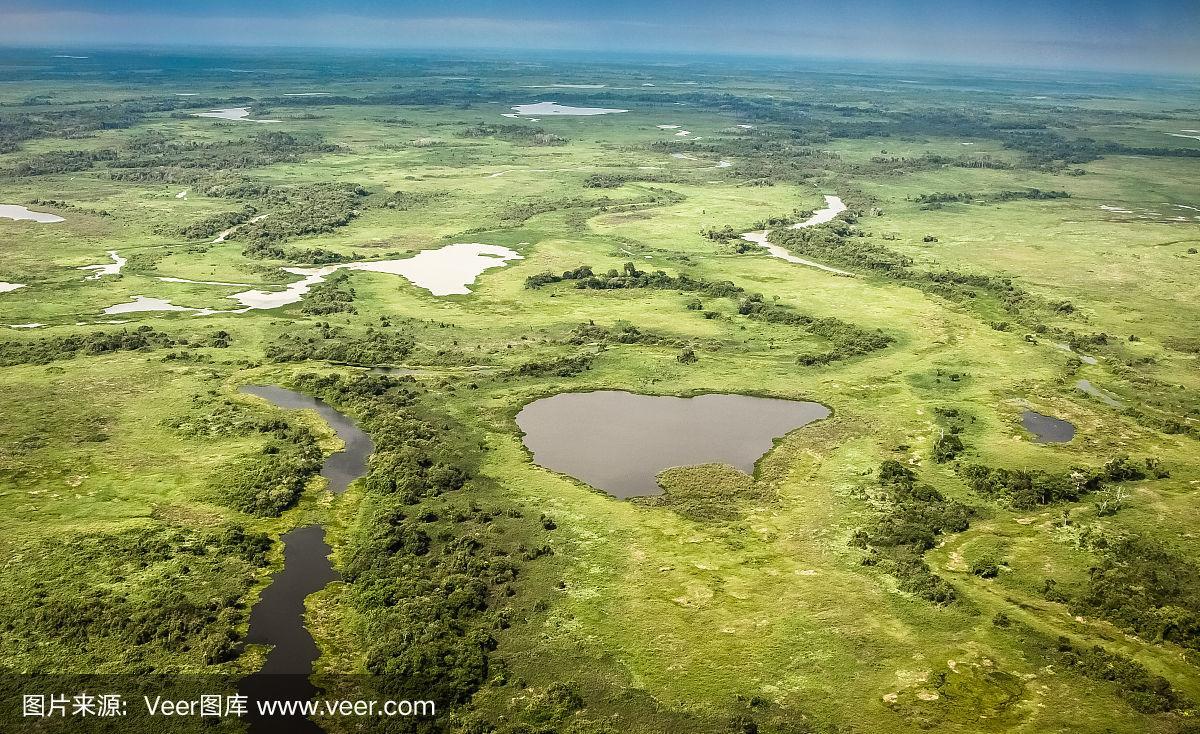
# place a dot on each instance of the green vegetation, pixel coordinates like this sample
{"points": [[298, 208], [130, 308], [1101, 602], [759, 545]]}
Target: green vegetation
{"points": [[336, 344], [709, 492], [137, 599], [912, 563], [911, 517], [44, 351], [1024, 488]]}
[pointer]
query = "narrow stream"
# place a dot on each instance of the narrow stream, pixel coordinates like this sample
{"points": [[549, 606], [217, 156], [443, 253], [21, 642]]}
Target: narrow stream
{"points": [[833, 207], [277, 619]]}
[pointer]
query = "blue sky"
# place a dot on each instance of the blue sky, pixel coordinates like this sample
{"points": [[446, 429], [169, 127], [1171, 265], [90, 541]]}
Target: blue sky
{"points": [[1128, 35]]}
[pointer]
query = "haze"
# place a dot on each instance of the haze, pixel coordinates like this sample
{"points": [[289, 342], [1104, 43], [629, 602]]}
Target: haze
{"points": [[1148, 36]]}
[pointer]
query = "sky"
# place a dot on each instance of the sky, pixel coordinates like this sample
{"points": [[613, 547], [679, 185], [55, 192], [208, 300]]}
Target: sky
{"points": [[1125, 35]]}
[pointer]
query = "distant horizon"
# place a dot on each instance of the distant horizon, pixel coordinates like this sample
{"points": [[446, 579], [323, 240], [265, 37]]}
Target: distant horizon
{"points": [[613, 57], [1160, 37]]}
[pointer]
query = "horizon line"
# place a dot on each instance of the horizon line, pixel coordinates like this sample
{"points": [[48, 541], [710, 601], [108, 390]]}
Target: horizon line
{"points": [[665, 53]]}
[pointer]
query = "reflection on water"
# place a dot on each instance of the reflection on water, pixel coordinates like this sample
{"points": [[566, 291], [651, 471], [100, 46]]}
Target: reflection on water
{"points": [[619, 441]]}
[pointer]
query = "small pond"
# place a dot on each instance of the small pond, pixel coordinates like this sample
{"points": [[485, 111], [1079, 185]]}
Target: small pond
{"points": [[1047, 429], [619, 441]]}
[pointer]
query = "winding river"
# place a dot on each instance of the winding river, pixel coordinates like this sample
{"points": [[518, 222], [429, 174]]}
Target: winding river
{"points": [[277, 619], [833, 207]]}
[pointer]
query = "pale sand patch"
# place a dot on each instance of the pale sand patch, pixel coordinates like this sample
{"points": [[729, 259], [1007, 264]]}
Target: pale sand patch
{"points": [[1115, 209], [113, 268], [667, 127], [683, 133], [9, 287], [18, 213], [1184, 135], [33, 325], [181, 194], [307, 94], [746, 127]]}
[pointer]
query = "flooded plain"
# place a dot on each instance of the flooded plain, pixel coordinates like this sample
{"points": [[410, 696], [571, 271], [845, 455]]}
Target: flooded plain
{"points": [[112, 268], [553, 109], [619, 441], [448, 270], [237, 114], [1103, 396], [19, 213]]}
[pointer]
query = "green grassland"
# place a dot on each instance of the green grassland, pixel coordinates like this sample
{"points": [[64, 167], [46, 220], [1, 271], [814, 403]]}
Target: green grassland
{"points": [[686, 613]]}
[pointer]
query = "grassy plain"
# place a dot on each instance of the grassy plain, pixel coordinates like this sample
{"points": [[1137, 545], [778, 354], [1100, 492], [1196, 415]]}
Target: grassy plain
{"points": [[663, 620]]}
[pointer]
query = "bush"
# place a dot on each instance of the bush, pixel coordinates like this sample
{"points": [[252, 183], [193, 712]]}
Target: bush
{"points": [[946, 447], [1147, 588], [268, 483], [556, 367], [44, 351], [336, 344], [911, 518]]}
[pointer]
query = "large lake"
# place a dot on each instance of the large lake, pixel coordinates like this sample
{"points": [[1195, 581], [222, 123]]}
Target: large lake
{"points": [[619, 441]]}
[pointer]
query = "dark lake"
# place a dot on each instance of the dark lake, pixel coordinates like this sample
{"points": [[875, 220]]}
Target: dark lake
{"points": [[1047, 429], [619, 441]]}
